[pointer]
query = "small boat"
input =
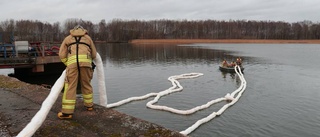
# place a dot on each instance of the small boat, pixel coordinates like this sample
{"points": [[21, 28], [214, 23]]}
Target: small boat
{"points": [[229, 69]]}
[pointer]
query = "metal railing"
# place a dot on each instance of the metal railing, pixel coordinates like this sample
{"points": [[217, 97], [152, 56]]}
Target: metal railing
{"points": [[11, 57]]}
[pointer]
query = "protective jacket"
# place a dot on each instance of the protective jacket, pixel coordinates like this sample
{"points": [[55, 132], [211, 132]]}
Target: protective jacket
{"points": [[86, 49], [77, 52]]}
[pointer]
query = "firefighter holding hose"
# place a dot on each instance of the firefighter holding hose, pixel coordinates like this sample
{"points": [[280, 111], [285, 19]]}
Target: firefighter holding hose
{"points": [[77, 52]]}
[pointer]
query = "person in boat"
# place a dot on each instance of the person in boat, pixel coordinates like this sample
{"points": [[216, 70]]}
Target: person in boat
{"points": [[232, 64], [239, 61], [224, 63]]}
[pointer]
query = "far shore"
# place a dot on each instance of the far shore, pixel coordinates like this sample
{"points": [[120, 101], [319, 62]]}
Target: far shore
{"points": [[190, 41]]}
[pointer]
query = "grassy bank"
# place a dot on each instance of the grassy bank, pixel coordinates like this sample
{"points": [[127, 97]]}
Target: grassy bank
{"points": [[189, 41]]}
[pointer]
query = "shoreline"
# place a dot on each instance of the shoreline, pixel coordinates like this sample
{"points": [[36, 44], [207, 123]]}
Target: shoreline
{"points": [[191, 41], [21, 101]]}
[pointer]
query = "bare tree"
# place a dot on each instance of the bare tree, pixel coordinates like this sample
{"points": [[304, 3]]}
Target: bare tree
{"points": [[119, 30]]}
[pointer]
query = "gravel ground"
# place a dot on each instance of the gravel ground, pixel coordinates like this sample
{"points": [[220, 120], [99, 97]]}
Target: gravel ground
{"points": [[4, 132]]}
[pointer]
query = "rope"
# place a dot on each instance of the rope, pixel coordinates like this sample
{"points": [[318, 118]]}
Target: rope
{"points": [[174, 88], [230, 97], [177, 87]]}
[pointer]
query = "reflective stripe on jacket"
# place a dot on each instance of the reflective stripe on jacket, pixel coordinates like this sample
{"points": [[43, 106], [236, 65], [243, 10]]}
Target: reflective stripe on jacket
{"points": [[86, 52]]}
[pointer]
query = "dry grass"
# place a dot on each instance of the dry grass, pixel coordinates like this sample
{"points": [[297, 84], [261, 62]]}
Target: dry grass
{"points": [[12, 83], [190, 41]]}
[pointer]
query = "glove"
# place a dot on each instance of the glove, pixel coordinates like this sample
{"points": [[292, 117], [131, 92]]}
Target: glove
{"points": [[93, 66]]}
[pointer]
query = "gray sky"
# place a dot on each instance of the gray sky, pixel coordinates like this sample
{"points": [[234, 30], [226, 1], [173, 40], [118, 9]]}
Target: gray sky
{"points": [[95, 10]]}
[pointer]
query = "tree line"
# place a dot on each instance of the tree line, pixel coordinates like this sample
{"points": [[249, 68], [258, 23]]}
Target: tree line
{"points": [[119, 30]]}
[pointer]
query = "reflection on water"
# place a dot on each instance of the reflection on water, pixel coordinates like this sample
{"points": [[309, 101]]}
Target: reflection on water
{"points": [[46, 79], [232, 76], [160, 53]]}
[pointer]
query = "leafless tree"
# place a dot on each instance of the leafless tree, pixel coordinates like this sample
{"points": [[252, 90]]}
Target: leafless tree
{"points": [[119, 30]]}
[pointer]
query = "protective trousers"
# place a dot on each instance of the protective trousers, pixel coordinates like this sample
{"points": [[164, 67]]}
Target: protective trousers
{"points": [[70, 88]]}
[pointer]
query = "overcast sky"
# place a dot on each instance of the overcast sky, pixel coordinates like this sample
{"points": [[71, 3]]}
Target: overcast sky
{"points": [[95, 10]]}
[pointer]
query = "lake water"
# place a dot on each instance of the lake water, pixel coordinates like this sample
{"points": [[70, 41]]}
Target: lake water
{"points": [[281, 98]]}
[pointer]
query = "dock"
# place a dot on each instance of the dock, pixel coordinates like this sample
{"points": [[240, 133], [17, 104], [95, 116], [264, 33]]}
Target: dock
{"points": [[20, 101], [30, 58]]}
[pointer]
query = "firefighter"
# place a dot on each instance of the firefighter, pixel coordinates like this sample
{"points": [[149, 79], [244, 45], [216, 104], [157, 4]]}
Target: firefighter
{"points": [[77, 52], [224, 63], [239, 61], [232, 64]]}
